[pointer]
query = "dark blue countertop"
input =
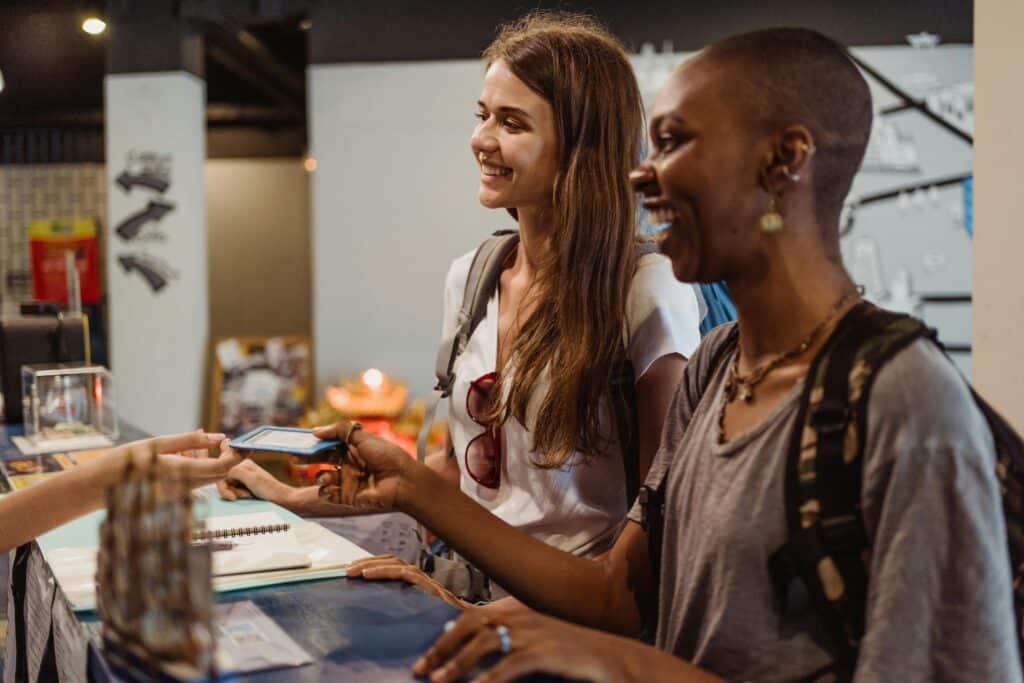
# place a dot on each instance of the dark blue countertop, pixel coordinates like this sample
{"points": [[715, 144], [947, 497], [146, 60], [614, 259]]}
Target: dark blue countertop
{"points": [[355, 630]]}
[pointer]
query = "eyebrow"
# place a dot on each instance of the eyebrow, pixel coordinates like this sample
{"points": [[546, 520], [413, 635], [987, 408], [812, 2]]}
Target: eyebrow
{"points": [[669, 116], [507, 110]]}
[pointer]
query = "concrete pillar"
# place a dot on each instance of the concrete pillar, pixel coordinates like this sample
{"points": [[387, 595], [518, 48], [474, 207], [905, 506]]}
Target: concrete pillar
{"points": [[156, 217]]}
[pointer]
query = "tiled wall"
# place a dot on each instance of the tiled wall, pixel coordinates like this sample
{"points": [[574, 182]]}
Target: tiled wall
{"points": [[44, 191]]}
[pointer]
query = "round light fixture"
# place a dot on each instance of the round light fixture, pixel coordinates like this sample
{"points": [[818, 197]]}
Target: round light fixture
{"points": [[94, 26], [309, 163]]}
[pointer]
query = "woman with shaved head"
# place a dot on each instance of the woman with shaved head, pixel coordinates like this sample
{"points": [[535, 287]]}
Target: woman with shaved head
{"points": [[755, 143]]}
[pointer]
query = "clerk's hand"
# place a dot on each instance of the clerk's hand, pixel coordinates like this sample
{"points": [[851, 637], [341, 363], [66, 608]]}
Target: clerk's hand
{"points": [[184, 456], [390, 568], [371, 474]]}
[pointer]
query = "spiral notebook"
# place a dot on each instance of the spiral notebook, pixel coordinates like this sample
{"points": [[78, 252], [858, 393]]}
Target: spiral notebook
{"points": [[257, 542], [269, 546]]}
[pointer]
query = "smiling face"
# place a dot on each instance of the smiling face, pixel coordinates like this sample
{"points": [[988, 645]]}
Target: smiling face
{"points": [[514, 144], [701, 178]]}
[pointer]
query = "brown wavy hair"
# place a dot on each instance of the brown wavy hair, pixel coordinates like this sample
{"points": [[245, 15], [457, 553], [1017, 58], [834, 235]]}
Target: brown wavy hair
{"points": [[576, 332]]}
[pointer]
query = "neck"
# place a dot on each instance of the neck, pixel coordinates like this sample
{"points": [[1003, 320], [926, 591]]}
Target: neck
{"points": [[534, 238], [795, 290]]}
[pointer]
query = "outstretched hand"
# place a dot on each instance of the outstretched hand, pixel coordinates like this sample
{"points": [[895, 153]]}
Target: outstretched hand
{"points": [[185, 456]]}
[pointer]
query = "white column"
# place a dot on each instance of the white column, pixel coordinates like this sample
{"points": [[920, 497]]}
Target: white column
{"points": [[998, 209], [156, 264]]}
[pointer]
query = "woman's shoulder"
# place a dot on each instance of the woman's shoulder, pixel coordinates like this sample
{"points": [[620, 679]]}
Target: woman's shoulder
{"points": [[659, 305], [921, 396], [662, 314], [654, 279]]}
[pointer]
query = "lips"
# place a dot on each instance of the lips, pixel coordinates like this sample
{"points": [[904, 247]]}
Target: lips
{"points": [[661, 215], [495, 171]]}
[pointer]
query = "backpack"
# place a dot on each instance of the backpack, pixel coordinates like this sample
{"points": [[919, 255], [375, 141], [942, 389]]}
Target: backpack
{"points": [[481, 283], [827, 546]]}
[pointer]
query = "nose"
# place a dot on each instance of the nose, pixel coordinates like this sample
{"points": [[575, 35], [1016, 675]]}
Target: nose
{"points": [[483, 141], [644, 180]]}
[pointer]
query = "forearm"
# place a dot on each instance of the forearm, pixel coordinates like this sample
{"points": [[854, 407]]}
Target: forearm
{"points": [[545, 578], [305, 501], [641, 663], [444, 465], [29, 512]]}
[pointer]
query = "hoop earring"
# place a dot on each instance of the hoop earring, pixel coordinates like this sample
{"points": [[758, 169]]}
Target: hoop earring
{"points": [[771, 220]]}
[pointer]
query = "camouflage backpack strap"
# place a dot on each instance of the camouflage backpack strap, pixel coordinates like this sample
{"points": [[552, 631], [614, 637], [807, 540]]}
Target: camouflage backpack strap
{"points": [[827, 548]]}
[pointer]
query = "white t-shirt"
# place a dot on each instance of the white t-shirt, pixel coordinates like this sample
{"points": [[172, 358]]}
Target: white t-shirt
{"points": [[580, 508]]}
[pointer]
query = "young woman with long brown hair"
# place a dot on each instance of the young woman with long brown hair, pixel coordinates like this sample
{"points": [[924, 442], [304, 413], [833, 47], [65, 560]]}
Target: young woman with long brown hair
{"points": [[533, 438]]}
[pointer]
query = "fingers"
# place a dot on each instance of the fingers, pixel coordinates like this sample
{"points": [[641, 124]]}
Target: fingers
{"points": [[338, 430], [230, 491], [226, 491], [341, 431], [205, 470], [355, 569], [484, 642], [176, 443], [465, 627], [352, 477], [391, 568], [514, 666]]}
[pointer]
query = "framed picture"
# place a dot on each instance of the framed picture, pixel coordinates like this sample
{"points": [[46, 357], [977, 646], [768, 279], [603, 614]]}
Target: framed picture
{"points": [[259, 381]]}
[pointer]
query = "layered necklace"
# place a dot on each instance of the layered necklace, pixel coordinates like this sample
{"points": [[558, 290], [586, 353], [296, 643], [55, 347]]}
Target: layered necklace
{"points": [[742, 387]]}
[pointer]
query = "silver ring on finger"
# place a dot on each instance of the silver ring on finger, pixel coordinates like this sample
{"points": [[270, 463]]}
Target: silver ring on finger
{"points": [[449, 625], [504, 638]]}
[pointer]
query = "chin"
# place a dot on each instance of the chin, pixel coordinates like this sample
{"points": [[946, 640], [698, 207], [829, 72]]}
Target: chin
{"points": [[489, 201]]}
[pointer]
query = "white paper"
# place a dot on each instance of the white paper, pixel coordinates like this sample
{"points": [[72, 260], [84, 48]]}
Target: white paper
{"points": [[283, 438], [72, 443]]}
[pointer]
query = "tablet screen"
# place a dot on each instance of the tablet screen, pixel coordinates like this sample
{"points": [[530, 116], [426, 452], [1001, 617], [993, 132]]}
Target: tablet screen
{"points": [[281, 438]]}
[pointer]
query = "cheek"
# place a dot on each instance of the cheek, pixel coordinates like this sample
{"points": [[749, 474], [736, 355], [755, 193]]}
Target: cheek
{"points": [[533, 160]]}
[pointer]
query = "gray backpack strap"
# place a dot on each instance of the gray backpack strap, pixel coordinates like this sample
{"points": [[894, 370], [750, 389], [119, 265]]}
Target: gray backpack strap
{"points": [[484, 273], [454, 573]]}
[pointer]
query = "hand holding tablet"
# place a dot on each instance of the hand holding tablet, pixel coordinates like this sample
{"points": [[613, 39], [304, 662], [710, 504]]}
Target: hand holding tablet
{"points": [[283, 440]]}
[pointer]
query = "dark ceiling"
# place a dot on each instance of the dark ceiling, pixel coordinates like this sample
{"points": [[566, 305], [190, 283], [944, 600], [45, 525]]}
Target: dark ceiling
{"points": [[52, 67], [255, 51]]}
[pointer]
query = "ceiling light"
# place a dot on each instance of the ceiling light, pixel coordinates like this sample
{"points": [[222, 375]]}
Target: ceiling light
{"points": [[305, 25], [94, 26]]}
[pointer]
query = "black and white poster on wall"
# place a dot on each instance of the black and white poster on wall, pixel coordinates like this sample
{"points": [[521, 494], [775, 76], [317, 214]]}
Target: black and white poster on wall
{"points": [[146, 177]]}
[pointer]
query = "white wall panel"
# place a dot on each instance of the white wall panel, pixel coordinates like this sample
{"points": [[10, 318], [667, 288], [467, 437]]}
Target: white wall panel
{"points": [[158, 334]]}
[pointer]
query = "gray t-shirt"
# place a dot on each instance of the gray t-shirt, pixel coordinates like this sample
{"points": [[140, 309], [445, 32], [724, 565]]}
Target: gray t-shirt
{"points": [[939, 603]]}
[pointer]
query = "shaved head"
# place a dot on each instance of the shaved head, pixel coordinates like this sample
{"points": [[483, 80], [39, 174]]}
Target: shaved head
{"points": [[791, 76]]}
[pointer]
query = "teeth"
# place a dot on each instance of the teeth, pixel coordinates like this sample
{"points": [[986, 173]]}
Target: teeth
{"points": [[661, 215], [495, 170]]}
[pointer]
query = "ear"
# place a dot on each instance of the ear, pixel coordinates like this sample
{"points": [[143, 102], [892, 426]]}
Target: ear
{"points": [[792, 150]]}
